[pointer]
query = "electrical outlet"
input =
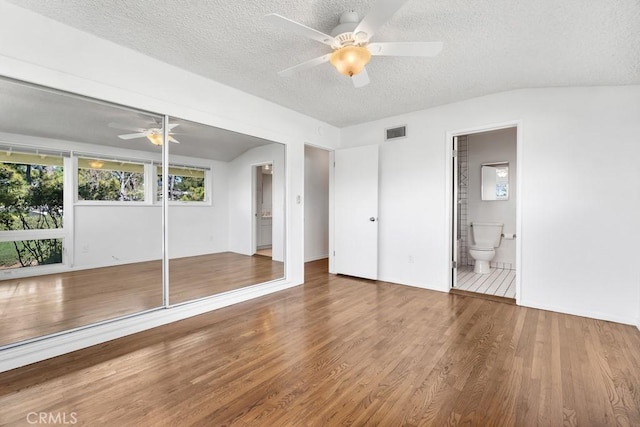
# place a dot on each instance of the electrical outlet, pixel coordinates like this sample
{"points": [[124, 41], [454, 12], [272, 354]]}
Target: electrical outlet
{"points": [[85, 249], [410, 259]]}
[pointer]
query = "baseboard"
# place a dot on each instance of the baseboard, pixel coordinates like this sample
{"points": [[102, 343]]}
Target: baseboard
{"points": [[47, 348], [316, 258], [494, 298], [413, 284], [582, 313]]}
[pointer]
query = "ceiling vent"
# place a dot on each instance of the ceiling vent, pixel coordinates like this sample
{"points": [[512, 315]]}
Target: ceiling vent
{"points": [[395, 133]]}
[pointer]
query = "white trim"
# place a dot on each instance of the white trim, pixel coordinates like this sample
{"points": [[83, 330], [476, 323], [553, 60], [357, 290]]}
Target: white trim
{"points": [[34, 271], [332, 212], [404, 282], [69, 184], [316, 258], [114, 203], [34, 234], [165, 211], [578, 312], [46, 348], [449, 192]]}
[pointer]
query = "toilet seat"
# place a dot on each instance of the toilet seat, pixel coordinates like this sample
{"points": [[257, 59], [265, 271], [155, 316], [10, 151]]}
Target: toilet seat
{"points": [[476, 248]]}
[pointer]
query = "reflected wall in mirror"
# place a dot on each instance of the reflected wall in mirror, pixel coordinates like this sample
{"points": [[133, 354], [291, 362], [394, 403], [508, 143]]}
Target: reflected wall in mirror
{"points": [[495, 181], [212, 211], [80, 235]]}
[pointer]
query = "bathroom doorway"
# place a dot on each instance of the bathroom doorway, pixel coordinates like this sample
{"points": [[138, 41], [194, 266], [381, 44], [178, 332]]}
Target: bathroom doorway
{"points": [[485, 183], [263, 207]]}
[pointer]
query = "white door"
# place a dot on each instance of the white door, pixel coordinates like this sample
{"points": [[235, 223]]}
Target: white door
{"points": [[356, 211]]}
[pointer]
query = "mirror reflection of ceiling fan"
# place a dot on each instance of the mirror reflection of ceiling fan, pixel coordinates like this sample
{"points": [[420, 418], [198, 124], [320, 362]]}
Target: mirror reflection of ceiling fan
{"points": [[153, 134], [350, 41]]}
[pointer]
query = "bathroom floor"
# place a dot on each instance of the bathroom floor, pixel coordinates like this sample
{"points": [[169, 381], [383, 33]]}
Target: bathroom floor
{"points": [[499, 282]]}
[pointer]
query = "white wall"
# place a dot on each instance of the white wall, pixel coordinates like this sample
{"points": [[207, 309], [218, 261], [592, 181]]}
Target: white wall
{"points": [[42, 51], [316, 203], [578, 170], [489, 147], [241, 182], [201, 229], [110, 235]]}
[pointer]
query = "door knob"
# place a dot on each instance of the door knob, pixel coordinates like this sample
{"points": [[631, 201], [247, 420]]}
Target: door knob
{"points": [[372, 219]]}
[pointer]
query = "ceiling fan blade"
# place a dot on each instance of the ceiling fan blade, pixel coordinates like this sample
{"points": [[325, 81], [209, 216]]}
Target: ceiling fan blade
{"points": [[305, 65], [381, 12], [172, 139], [172, 125], [125, 127], [300, 29], [133, 135], [405, 49], [360, 79]]}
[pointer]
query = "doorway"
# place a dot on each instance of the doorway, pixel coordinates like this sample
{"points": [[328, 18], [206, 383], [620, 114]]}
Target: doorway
{"points": [[263, 209], [485, 212], [317, 162]]}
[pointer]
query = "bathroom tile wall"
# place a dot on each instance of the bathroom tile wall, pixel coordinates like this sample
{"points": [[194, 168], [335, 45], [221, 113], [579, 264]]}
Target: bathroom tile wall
{"points": [[463, 186]]}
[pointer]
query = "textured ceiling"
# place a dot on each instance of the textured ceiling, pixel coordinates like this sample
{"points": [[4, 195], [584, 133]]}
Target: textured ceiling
{"points": [[489, 46]]}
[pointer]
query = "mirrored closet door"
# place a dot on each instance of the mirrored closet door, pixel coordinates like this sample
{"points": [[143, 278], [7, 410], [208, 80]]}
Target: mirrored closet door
{"points": [[80, 240], [84, 185], [212, 218]]}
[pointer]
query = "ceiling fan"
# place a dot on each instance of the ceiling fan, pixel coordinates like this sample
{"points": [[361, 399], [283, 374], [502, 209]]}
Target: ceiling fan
{"points": [[153, 134], [350, 42]]}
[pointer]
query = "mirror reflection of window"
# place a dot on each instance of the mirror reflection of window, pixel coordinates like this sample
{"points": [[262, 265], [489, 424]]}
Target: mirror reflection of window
{"points": [[31, 200], [495, 181], [186, 184], [106, 180]]}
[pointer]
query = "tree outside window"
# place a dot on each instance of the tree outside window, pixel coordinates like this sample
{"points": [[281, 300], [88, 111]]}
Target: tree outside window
{"points": [[110, 180], [185, 184], [31, 198]]}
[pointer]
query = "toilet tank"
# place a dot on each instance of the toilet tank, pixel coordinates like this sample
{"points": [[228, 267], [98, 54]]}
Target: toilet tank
{"points": [[486, 234]]}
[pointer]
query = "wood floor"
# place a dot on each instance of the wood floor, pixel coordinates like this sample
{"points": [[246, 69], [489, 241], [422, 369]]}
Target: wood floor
{"points": [[499, 282], [37, 306], [343, 351]]}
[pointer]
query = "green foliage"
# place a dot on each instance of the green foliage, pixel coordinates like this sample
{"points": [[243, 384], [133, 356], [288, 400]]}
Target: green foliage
{"points": [[31, 197], [183, 188], [97, 184]]}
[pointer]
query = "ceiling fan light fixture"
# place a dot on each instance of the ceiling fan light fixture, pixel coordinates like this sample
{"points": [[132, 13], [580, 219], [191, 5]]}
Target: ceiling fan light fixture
{"points": [[155, 138], [350, 60]]}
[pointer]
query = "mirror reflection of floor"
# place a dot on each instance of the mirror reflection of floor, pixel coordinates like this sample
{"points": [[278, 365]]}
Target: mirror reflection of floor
{"points": [[265, 252], [35, 306]]}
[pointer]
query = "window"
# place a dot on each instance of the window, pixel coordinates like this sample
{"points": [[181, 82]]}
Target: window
{"points": [[186, 184], [31, 203], [30, 253], [110, 180]]}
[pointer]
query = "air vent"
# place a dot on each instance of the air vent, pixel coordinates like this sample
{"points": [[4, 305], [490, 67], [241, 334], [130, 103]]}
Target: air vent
{"points": [[395, 133]]}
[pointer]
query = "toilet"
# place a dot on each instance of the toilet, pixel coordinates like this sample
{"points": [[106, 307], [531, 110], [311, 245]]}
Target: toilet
{"points": [[485, 240]]}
